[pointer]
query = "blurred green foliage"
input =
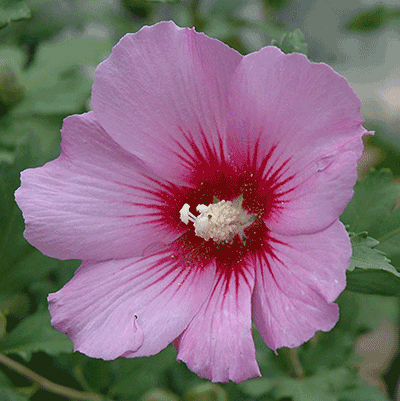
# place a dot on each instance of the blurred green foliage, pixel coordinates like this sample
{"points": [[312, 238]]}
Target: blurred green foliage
{"points": [[373, 19], [371, 210], [13, 10], [47, 66], [291, 42]]}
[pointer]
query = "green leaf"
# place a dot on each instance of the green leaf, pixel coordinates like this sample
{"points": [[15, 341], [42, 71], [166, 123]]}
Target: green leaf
{"points": [[373, 198], [372, 19], [35, 334], [144, 372], [8, 392], [59, 80], [45, 131], [334, 385], [320, 387], [13, 10], [303, 390], [257, 387], [31, 267], [57, 58], [95, 372], [366, 256], [369, 271], [378, 282], [363, 393], [332, 350], [291, 42], [360, 313], [371, 210]]}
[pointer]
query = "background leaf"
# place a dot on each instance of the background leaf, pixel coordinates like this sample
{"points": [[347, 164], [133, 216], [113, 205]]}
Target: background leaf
{"points": [[335, 385], [366, 256], [373, 19], [146, 372], [8, 392], [379, 282], [291, 42], [371, 210], [13, 10], [35, 334], [61, 77], [370, 271]]}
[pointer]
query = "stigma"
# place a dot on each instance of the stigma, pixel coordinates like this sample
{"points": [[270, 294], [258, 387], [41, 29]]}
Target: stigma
{"points": [[220, 221]]}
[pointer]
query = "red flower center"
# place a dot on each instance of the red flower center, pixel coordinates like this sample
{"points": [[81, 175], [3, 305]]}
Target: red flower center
{"points": [[226, 179]]}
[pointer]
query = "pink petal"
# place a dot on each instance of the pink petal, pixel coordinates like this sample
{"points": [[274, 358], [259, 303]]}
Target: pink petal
{"points": [[131, 307], [295, 289], [162, 92], [96, 201], [308, 205], [218, 343], [299, 118]]}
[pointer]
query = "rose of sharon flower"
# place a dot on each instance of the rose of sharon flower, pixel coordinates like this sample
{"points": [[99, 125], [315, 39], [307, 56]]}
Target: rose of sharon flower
{"points": [[203, 189]]}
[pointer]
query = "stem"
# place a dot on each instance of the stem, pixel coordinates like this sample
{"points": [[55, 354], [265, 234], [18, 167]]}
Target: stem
{"points": [[47, 384], [292, 359], [295, 362], [314, 340]]}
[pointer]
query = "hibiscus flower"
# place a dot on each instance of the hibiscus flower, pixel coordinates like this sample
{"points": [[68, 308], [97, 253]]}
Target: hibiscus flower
{"points": [[203, 189]]}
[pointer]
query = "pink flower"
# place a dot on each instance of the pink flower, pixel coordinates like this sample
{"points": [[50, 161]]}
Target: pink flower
{"points": [[204, 189]]}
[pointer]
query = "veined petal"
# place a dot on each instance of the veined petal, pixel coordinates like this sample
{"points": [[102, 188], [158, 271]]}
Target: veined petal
{"points": [[162, 95], [96, 201], [295, 288], [293, 119], [306, 205], [130, 307], [218, 343]]}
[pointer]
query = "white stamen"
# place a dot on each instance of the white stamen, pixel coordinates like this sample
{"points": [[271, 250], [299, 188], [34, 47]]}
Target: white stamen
{"points": [[220, 221], [186, 215], [201, 208]]}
